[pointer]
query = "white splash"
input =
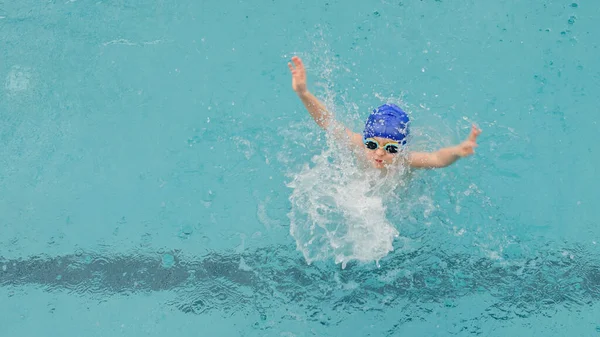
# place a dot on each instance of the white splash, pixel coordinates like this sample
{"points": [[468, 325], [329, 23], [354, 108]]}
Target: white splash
{"points": [[17, 80], [339, 209], [129, 43], [263, 216], [244, 146]]}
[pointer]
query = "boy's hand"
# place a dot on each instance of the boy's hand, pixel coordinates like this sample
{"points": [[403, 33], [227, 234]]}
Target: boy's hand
{"points": [[298, 76], [467, 147]]}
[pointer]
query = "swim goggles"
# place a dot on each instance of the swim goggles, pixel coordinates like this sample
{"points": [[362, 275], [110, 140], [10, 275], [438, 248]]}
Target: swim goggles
{"points": [[372, 144]]}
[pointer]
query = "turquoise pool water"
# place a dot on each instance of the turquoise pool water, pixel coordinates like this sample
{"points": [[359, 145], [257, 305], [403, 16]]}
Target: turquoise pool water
{"points": [[148, 152]]}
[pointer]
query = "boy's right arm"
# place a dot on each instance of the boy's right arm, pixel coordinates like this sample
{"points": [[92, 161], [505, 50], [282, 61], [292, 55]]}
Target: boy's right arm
{"points": [[316, 108]]}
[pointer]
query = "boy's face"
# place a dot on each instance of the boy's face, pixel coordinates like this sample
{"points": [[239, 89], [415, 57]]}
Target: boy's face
{"points": [[379, 157]]}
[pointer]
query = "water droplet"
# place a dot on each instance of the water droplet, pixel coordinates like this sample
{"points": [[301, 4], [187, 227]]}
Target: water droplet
{"points": [[168, 261], [209, 196], [185, 231], [574, 5], [449, 303]]}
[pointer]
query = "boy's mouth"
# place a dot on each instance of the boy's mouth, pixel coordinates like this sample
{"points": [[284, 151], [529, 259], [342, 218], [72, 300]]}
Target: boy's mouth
{"points": [[378, 161]]}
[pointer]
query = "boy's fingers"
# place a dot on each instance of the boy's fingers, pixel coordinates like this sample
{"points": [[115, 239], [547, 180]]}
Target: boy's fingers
{"points": [[298, 62], [474, 133]]}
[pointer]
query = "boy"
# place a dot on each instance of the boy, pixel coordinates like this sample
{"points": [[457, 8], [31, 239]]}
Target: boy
{"points": [[385, 132]]}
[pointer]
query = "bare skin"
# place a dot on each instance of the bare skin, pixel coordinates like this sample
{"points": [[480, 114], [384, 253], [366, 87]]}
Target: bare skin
{"points": [[378, 158]]}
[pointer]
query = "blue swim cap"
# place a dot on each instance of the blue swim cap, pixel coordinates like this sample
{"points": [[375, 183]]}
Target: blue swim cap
{"points": [[387, 121]]}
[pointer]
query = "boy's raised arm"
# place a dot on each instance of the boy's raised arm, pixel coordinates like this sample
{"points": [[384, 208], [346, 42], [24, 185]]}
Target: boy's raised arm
{"points": [[316, 108]]}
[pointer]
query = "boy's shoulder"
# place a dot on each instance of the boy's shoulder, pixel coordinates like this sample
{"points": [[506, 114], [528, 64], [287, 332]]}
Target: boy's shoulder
{"points": [[355, 138]]}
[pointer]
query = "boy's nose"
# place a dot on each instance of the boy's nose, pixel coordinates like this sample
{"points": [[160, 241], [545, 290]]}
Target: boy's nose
{"points": [[380, 152]]}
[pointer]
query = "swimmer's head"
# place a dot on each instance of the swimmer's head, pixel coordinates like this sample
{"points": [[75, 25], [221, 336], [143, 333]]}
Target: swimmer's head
{"points": [[386, 130], [387, 121]]}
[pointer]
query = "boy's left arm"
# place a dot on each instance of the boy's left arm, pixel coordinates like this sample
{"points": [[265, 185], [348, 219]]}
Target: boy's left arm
{"points": [[446, 156]]}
